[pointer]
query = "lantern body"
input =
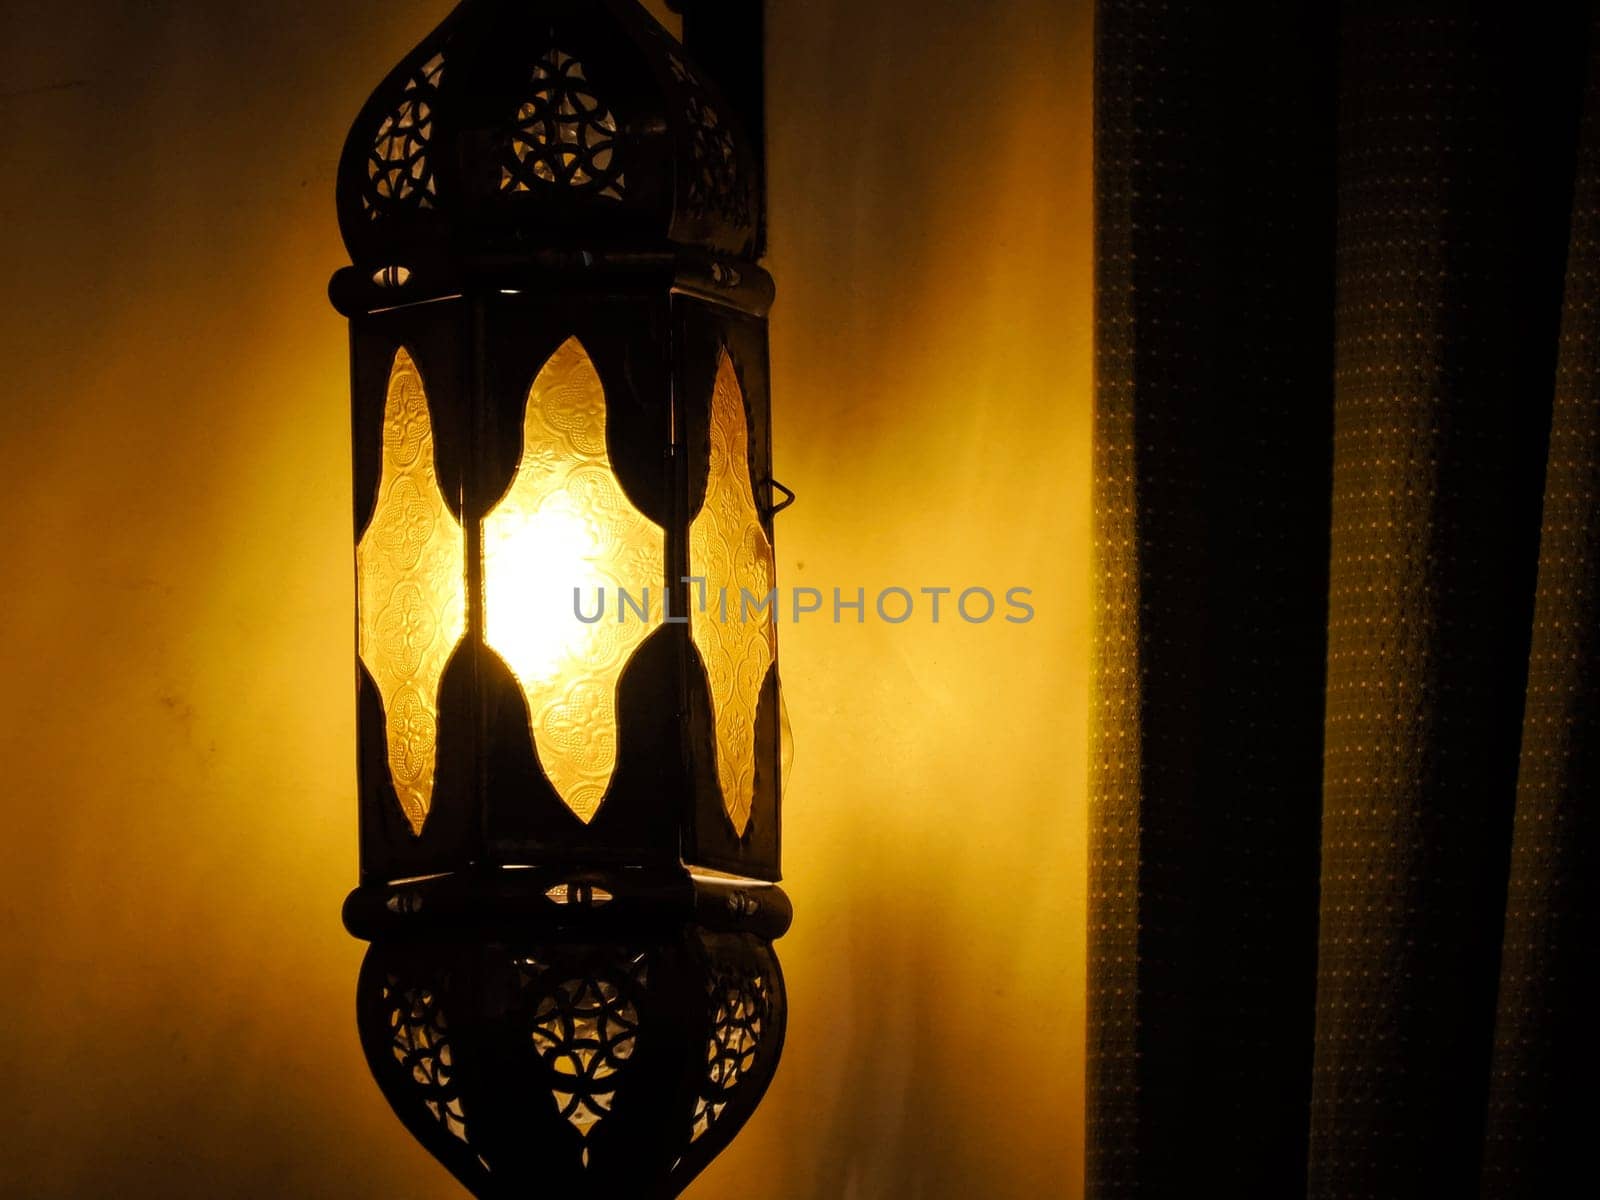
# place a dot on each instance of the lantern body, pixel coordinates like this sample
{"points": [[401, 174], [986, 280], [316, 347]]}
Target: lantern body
{"points": [[566, 627], [494, 752]]}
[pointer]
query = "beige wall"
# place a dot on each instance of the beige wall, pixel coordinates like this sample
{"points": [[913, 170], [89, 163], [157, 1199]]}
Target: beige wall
{"points": [[175, 616]]}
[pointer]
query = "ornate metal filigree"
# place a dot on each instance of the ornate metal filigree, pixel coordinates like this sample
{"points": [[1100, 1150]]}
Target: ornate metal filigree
{"points": [[714, 183], [586, 1029], [565, 528], [411, 582], [741, 1000], [421, 1045], [564, 135], [737, 640], [510, 122], [589, 1067], [399, 174]]}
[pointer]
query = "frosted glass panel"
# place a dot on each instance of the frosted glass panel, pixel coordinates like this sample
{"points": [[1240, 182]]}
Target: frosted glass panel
{"points": [[730, 550], [564, 524], [410, 568]]}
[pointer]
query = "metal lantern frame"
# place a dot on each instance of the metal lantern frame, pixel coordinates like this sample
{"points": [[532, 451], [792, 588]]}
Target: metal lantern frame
{"points": [[553, 217], [534, 173]]}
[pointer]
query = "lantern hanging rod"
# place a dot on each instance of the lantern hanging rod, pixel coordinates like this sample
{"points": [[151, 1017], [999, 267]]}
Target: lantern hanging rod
{"points": [[728, 39]]}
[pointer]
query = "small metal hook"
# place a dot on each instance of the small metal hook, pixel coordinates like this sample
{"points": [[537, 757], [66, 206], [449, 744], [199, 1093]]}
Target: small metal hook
{"points": [[788, 498]]}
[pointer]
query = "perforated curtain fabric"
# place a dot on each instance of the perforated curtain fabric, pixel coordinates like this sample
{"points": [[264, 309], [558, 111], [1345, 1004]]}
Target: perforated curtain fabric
{"points": [[1347, 469]]}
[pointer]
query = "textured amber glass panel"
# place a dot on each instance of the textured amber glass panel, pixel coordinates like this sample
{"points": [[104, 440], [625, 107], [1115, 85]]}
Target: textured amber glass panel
{"points": [[410, 567], [729, 549], [564, 528]]}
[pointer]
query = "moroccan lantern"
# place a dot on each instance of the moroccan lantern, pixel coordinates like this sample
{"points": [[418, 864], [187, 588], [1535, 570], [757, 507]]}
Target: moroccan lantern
{"points": [[570, 732]]}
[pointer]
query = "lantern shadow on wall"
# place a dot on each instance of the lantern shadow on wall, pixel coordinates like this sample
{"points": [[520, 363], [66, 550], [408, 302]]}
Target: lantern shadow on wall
{"points": [[570, 754]]}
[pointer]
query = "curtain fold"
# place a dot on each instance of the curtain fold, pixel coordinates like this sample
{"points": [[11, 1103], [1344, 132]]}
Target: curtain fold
{"points": [[1542, 1111], [1451, 241], [1213, 444], [1344, 754]]}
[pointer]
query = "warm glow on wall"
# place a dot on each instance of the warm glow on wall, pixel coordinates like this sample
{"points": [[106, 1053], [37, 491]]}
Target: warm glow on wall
{"points": [[173, 366], [411, 599], [565, 536]]}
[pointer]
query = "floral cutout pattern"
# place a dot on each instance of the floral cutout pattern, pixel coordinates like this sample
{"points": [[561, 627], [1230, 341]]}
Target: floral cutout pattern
{"points": [[714, 182], [585, 1030], [564, 134], [742, 1012], [729, 549], [421, 1045], [399, 174], [411, 590]]}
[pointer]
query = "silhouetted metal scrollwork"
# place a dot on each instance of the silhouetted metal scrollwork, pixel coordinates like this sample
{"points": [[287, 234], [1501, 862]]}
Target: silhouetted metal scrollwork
{"points": [[564, 134], [604, 1068], [399, 175], [420, 1043]]}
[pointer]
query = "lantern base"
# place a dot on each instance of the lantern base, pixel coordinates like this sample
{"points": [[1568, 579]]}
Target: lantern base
{"points": [[588, 1066], [560, 901]]}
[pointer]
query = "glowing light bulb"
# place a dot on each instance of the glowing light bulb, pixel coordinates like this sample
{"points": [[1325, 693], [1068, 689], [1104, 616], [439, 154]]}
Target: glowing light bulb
{"points": [[539, 568], [564, 524]]}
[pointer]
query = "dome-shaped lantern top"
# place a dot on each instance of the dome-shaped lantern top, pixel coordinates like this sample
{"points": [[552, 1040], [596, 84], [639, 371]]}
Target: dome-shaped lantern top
{"points": [[531, 127]]}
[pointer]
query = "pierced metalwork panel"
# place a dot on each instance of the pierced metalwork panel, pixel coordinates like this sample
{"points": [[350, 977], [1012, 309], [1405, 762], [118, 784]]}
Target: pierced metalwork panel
{"points": [[586, 1030], [399, 173], [565, 135], [421, 1046], [596, 1067], [545, 125], [741, 1001], [717, 186]]}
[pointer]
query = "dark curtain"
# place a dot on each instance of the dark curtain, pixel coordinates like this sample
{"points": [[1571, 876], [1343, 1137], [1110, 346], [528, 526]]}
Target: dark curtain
{"points": [[1346, 755]]}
